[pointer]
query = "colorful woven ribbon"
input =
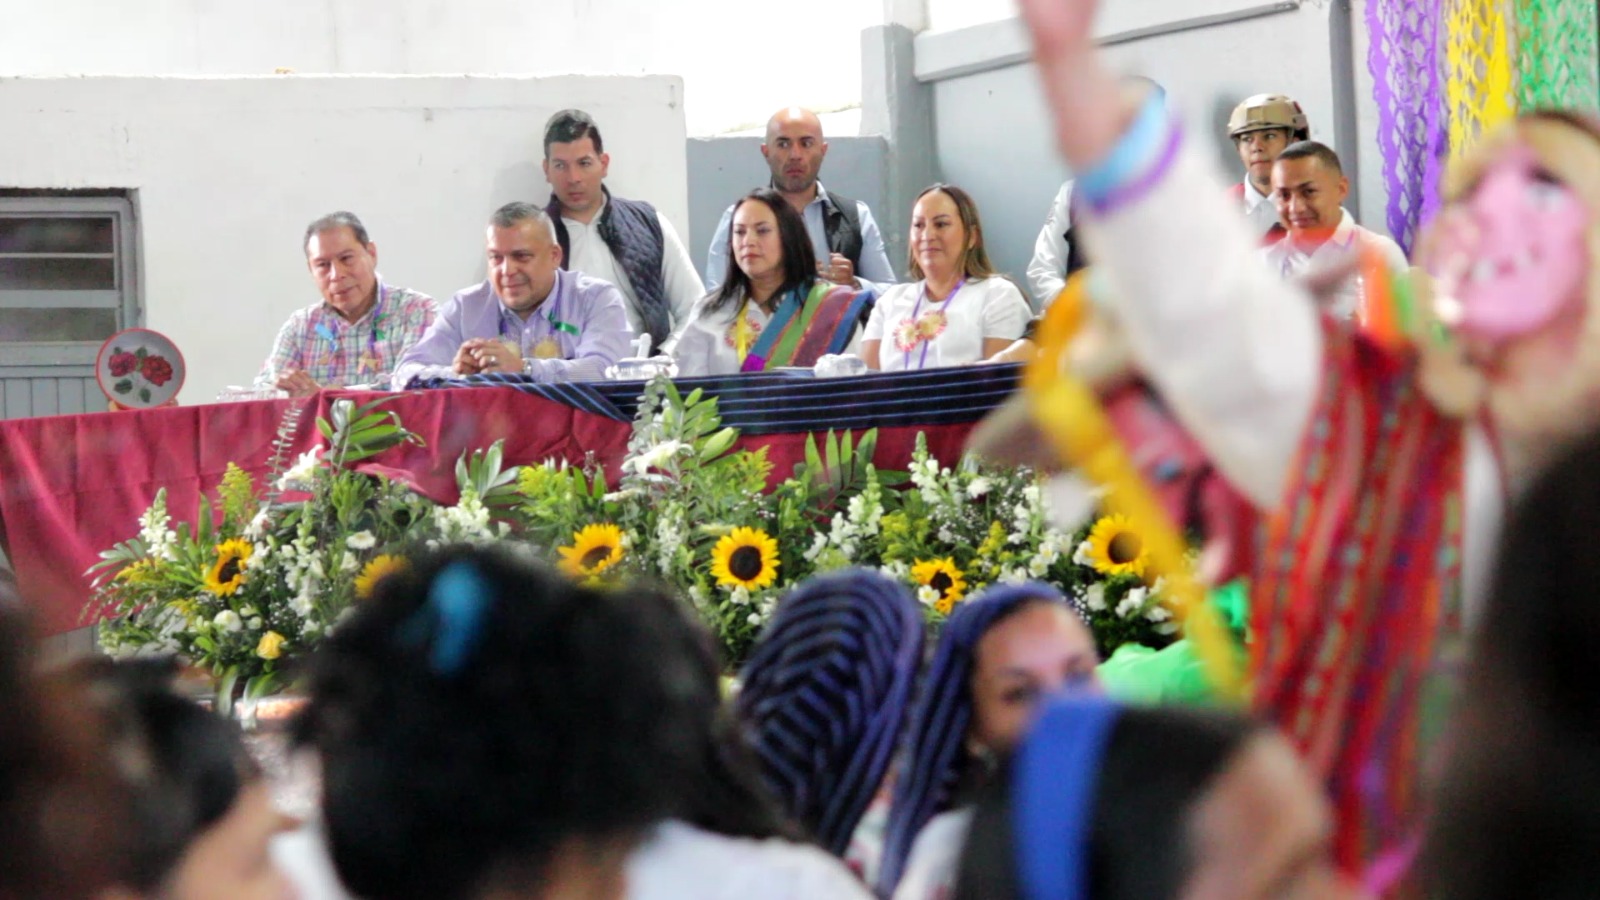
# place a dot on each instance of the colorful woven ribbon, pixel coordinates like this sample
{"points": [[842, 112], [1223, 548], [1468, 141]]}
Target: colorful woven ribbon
{"points": [[1068, 412]]}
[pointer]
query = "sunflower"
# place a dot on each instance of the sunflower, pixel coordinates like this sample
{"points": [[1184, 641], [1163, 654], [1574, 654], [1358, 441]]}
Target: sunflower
{"points": [[377, 569], [746, 558], [226, 576], [945, 578], [594, 549], [1116, 549]]}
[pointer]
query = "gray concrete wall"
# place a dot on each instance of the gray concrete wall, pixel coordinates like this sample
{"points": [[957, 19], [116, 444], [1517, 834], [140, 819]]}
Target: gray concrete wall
{"points": [[895, 104], [721, 170]]}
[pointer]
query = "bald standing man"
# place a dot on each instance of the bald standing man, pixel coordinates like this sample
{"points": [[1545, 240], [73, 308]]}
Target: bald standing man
{"points": [[843, 232]]}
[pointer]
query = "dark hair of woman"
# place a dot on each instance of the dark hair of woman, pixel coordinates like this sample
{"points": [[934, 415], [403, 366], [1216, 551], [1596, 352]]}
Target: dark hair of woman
{"points": [[186, 768], [1518, 806], [1157, 766], [799, 259], [722, 792], [480, 717], [62, 804]]}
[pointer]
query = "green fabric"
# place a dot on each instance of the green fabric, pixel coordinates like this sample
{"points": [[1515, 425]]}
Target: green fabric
{"points": [[1558, 55], [1175, 674]]}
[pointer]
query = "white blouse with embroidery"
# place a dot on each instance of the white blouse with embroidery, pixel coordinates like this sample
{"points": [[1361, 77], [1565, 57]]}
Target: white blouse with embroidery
{"points": [[917, 333]]}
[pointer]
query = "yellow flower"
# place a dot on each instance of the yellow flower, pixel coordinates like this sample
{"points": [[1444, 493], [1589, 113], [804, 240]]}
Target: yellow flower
{"points": [[228, 573], [271, 646], [943, 576], [746, 558], [139, 572], [378, 568], [594, 549], [1116, 549]]}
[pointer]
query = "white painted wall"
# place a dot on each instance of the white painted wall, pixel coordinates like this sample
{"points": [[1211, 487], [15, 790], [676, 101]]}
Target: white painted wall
{"points": [[739, 60], [228, 171]]}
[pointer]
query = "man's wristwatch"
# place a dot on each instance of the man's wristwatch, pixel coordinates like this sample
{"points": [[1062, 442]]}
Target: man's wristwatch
{"points": [[527, 365]]}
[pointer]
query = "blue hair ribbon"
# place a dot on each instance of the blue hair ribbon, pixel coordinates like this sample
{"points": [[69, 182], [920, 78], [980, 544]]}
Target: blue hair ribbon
{"points": [[453, 616]]}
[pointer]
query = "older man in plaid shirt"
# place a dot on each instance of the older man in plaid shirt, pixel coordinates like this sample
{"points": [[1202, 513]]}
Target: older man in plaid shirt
{"points": [[357, 333]]}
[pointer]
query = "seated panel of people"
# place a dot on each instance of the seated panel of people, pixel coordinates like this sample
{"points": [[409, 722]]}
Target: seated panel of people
{"points": [[771, 310], [530, 317], [957, 311], [361, 327], [1309, 188]]}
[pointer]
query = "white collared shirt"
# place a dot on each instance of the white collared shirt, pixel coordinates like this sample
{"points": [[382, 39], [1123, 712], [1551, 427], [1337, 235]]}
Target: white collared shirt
{"points": [[1288, 259], [679, 281], [1047, 272], [1259, 211]]}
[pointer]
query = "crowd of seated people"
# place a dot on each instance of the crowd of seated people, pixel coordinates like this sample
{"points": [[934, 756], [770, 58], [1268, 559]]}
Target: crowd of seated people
{"points": [[794, 272]]}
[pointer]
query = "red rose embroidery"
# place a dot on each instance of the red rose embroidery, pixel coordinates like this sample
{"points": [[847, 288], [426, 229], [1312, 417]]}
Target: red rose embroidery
{"points": [[156, 370], [122, 364]]}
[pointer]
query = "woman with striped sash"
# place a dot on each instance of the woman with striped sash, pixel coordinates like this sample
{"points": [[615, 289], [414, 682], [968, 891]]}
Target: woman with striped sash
{"points": [[771, 310], [825, 695], [1000, 654]]}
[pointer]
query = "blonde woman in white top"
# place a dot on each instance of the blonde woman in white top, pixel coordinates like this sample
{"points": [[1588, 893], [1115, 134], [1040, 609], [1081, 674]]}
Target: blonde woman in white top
{"points": [[957, 311]]}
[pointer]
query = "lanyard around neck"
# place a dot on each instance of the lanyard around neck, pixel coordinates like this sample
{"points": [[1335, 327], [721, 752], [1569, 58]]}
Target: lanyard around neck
{"points": [[925, 340]]}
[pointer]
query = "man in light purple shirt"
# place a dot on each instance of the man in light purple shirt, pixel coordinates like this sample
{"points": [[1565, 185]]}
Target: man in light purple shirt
{"points": [[529, 316]]}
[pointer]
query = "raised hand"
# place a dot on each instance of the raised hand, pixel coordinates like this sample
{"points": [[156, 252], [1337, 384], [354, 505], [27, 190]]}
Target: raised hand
{"points": [[1089, 106]]}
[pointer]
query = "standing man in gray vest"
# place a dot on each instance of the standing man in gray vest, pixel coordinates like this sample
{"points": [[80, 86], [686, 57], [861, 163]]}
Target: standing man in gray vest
{"points": [[625, 242], [843, 233]]}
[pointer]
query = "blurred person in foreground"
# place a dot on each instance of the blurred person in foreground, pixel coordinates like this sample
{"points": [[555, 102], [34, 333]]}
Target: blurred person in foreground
{"points": [[1382, 470]]}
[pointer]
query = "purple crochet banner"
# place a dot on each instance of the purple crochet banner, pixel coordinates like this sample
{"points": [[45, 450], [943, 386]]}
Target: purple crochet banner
{"points": [[1413, 133]]}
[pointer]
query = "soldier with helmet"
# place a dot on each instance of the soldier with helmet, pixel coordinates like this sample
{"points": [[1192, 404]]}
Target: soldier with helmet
{"points": [[1261, 127]]}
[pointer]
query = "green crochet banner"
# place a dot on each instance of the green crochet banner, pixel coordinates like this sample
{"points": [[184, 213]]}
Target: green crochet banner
{"points": [[1558, 58]]}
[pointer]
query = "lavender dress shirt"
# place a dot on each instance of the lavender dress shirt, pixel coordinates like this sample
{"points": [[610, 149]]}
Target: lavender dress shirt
{"points": [[586, 318]]}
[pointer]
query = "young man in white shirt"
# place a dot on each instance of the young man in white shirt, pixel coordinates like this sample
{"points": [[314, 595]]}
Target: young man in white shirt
{"points": [[626, 242], [1308, 191]]}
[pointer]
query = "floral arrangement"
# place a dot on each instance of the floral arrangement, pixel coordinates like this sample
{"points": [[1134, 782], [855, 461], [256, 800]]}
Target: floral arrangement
{"points": [[253, 581], [692, 512]]}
